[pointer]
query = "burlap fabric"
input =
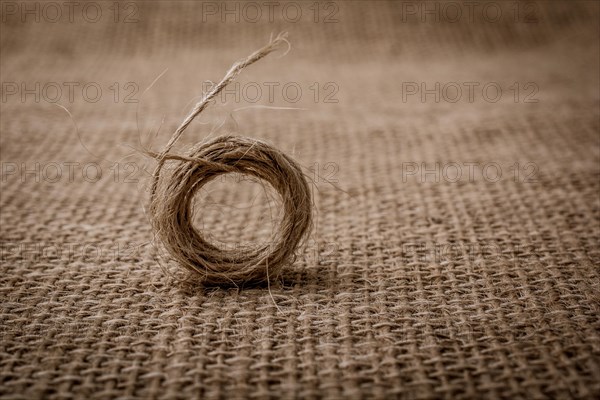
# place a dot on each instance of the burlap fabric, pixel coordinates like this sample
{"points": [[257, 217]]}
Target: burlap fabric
{"points": [[458, 260]]}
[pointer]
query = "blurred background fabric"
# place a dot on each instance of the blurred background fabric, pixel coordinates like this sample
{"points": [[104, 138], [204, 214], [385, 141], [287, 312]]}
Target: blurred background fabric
{"points": [[459, 257]]}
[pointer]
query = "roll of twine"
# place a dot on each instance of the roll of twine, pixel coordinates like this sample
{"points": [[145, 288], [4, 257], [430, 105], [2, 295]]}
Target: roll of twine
{"points": [[171, 198]]}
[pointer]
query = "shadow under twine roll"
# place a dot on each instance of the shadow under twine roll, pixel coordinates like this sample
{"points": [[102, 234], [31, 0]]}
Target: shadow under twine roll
{"points": [[171, 198]]}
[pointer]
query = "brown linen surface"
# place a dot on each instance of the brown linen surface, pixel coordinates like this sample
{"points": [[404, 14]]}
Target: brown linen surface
{"points": [[476, 277]]}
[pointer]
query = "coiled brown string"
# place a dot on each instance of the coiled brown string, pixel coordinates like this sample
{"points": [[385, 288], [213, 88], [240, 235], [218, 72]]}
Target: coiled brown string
{"points": [[171, 198]]}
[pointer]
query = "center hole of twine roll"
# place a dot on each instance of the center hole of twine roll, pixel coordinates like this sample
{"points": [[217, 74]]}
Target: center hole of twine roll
{"points": [[236, 211]]}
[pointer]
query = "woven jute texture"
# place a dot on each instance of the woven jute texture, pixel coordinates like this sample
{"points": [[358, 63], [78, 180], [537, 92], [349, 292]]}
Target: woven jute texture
{"points": [[459, 257]]}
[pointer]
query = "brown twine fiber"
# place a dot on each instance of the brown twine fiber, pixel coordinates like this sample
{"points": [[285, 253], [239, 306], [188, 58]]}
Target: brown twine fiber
{"points": [[171, 198]]}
